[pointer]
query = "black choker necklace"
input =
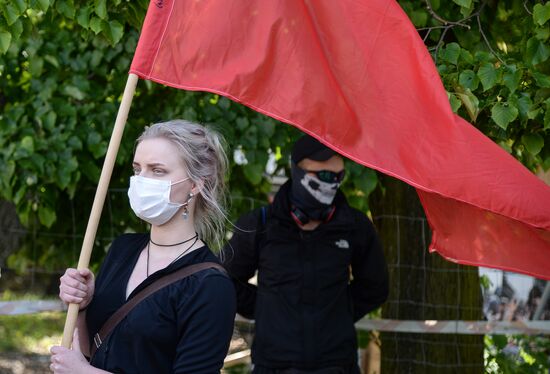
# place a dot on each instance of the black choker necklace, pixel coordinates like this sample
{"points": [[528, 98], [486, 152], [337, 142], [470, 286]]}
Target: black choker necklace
{"points": [[196, 237], [173, 245]]}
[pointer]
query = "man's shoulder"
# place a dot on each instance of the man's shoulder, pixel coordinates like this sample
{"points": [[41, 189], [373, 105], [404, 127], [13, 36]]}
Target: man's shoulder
{"points": [[355, 216], [362, 224]]}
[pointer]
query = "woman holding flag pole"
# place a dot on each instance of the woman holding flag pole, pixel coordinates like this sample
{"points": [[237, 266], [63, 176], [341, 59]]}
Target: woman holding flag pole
{"points": [[161, 302]]}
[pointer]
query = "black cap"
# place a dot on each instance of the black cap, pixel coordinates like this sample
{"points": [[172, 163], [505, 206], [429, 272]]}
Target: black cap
{"points": [[309, 147]]}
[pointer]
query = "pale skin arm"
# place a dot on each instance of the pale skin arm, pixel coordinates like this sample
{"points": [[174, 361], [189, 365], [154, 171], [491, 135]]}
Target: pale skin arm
{"points": [[76, 286]]}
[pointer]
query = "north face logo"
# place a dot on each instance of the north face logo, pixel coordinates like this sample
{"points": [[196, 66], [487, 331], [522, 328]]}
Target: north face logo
{"points": [[342, 243]]}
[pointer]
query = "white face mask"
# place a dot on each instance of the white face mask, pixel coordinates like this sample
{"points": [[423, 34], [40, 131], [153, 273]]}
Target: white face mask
{"points": [[150, 199]]}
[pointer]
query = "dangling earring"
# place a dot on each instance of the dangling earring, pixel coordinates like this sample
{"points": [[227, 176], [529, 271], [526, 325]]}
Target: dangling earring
{"points": [[185, 205]]}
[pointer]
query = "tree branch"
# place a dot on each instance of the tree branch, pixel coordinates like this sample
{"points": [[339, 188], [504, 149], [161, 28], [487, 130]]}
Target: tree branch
{"points": [[440, 42], [486, 40], [427, 34], [447, 25], [443, 20], [431, 28]]}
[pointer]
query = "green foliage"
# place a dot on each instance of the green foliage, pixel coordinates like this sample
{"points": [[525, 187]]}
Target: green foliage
{"points": [[516, 354], [541, 13], [497, 77], [503, 114], [31, 333]]}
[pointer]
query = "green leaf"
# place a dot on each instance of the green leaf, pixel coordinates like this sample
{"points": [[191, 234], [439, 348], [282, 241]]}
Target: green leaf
{"points": [[64, 172], [470, 101], [367, 181], [20, 194], [95, 25], [455, 101], [96, 145], [38, 161], [74, 92], [419, 17], [43, 5], [66, 8], [27, 143], [541, 79], [11, 14], [253, 172], [463, 3], [36, 65], [71, 164], [49, 120], [523, 103], [90, 170], [20, 5], [541, 13], [9, 171], [511, 78], [96, 59], [533, 143], [16, 29], [52, 60], [242, 123], [503, 114], [46, 215], [533, 113], [500, 341], [94, 138], [75, 143], [267, 127], [542, 33], [83, 17], [482, 56], [101, 9], [224, 103], [450, 53], [113, 31], [5, 40], [487, 75], [466, 11], [536, 51], [468, 79], [466, 57]]}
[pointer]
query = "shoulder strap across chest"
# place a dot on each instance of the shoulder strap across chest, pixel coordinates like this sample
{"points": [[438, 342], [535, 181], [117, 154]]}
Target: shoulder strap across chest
{"points": [[160, 283]]}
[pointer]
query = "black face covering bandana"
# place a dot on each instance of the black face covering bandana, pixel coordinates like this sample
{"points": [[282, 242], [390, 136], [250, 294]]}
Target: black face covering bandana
{"points": [[310, 194]]}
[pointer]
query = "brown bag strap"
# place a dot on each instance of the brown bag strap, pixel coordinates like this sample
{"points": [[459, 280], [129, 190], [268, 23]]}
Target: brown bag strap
{"points": [[123, 311]]}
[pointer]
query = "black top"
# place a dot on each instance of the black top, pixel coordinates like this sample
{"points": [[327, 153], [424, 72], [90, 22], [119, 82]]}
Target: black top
{"points": [[185, 327], [312, 285]]}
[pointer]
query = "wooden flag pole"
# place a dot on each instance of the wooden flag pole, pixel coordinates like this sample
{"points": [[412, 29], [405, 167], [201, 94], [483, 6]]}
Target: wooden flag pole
{"points": [[99, 199]]}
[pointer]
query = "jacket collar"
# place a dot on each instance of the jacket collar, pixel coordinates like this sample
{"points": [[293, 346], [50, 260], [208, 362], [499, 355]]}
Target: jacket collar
{"points": [[343, 214]]}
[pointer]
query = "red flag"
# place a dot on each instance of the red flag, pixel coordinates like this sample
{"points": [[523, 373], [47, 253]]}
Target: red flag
{"points": [[356, 75]]}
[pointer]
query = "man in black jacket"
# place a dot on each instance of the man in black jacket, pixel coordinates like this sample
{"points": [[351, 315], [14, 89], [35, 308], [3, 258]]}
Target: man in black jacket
{"points": [[320, 269]]}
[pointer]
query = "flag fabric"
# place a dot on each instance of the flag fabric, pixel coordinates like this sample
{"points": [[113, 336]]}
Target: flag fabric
{"points": [[356, 75]]}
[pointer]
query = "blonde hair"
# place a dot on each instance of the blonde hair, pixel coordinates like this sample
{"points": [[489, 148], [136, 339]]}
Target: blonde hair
{"points": [[202, 152]]}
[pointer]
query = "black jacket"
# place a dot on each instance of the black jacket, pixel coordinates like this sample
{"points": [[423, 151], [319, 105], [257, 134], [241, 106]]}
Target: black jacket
{"points": [[185, 327], [306, 301]]}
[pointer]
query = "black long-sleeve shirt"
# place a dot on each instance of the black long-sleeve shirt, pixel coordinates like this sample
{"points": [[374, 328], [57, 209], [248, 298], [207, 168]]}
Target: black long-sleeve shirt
{"points": [[185, 327], [312, 285]]}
